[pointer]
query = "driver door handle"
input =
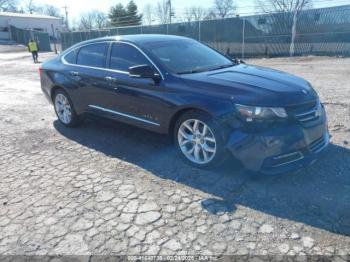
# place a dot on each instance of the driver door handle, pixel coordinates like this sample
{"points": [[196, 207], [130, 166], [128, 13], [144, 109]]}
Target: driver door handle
{"points": [[111, 79]]}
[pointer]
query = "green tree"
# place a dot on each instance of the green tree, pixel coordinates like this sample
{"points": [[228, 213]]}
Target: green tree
{"points": [[134, 17], [125, 16], [117, 15]]}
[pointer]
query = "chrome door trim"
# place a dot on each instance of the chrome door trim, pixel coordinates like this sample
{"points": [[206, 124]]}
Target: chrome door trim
{"points": [[124, 115], [63, 60]]}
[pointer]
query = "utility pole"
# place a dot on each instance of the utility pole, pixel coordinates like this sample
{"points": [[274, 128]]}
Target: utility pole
{"points": [[170, 12], [66, 12]]}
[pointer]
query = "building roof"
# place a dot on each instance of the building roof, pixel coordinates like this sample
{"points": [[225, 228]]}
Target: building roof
{"points": [[8, 14]]}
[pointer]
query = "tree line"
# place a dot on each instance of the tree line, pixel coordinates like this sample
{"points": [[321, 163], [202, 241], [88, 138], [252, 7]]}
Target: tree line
{"points": [[157, 13]]}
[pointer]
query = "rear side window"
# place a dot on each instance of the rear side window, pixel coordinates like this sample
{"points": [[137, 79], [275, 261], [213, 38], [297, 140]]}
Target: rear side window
{"points": [[124, 56], [93, 55], [70, 57]]}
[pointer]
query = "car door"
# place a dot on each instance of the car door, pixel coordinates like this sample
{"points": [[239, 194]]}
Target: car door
{"points": [[134, 100], [90, 74]]}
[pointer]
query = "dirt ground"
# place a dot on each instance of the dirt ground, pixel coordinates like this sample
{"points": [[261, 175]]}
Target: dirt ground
{"points": [[106, 188]]}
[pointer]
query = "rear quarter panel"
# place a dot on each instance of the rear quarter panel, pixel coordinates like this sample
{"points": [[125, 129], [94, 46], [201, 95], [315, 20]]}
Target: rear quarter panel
{"points": [[56, 75]]}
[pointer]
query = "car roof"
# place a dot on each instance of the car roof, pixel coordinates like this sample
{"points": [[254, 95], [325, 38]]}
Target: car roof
{"points": [[139, 38]]}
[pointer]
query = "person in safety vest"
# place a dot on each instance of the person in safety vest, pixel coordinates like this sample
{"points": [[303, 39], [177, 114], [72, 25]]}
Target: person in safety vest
{"points": [[33, 48]]}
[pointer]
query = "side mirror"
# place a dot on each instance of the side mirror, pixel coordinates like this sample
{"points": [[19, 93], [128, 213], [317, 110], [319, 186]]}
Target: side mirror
{"points": [[142, 71], [238, 61]]}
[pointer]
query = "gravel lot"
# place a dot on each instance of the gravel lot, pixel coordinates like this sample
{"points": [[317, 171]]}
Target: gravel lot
{"points": [[108, 188]]}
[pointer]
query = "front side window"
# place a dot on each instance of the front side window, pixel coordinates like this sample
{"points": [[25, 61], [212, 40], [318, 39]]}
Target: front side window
{"points": [[93, 55], [124, 56], [187, 56]]}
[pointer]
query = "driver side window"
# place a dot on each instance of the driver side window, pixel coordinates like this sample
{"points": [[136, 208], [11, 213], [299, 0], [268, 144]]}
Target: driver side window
{"points": [[124, 56]]}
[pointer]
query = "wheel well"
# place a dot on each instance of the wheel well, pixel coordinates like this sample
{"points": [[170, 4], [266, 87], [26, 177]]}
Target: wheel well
{"points": [[177, 115], [54, 90]]}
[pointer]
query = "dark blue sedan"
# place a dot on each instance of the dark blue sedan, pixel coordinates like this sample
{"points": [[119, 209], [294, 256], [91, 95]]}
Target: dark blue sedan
{"points": [[213, 106]]}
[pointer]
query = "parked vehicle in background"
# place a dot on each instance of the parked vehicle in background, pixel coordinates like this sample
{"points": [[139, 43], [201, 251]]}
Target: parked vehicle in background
{"points": [[271, 121]]}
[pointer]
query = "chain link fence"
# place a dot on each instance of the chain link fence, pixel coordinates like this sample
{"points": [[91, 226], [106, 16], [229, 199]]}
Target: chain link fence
{"points": [[22, 36], [324, 31]]}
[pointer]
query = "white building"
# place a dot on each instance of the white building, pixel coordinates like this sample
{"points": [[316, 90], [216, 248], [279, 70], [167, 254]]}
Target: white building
{"points": [[28, 21]]}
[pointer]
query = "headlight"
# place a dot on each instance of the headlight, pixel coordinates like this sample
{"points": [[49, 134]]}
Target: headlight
{"points": [[250, 113]]}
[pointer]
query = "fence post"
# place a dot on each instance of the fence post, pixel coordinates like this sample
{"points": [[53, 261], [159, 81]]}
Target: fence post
{"points": [[54, 38], [243, 38], [199, 30]]}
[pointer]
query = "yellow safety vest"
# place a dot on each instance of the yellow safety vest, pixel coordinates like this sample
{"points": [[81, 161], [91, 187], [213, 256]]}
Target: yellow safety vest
{"points": [[33, 47]]}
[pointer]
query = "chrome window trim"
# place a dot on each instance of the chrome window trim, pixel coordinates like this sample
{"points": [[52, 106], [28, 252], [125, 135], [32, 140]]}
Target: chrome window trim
{"points": [[108, 69], [123, 114]]}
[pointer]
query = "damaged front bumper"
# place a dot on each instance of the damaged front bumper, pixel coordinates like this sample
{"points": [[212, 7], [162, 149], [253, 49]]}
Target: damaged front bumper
{"points": [[282, 149]]}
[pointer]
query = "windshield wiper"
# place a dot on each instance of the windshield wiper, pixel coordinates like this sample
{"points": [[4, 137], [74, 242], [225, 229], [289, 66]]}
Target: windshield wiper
{"points": [[206, 69], [221, 67], [192, 71]]}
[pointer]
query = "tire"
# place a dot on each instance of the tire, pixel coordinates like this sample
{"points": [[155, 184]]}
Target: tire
{"points": [[64, 109], [207, 149]]}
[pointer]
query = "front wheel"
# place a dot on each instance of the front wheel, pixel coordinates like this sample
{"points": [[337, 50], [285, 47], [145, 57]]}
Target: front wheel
{"points": [[64, 109], [199, 140]]}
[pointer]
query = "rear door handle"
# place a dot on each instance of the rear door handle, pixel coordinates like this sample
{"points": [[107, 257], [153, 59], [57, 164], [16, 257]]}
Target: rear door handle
{"points": [[73, 73]]}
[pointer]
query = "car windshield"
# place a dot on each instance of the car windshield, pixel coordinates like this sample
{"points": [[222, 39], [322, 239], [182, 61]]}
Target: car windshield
{"points": [[188, 56]]}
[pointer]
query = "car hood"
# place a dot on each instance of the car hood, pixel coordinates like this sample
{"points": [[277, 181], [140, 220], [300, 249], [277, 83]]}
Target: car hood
{"points": [[253, 85]]}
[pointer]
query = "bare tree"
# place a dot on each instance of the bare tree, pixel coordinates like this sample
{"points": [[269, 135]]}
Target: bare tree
{"points": [[225, 8], [198, 13], [86, 21], [210, 15], [94, 19], [101, 19], [193, 13], [269, 6], [51, 10], [186, 16], [148, 14], [31, 7], [8, 5], [291, 9], [162, 11]]}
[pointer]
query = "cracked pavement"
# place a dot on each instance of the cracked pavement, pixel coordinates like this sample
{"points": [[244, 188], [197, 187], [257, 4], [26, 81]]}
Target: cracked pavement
{"points": [[106, 188]]}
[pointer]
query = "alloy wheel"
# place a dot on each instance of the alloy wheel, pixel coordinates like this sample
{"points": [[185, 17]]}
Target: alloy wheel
{"points": [[63, 108], [197, 141]]}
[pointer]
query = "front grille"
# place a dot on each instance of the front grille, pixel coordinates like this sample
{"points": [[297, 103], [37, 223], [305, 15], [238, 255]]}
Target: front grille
{"points": [[307, 112], [318, 145]]}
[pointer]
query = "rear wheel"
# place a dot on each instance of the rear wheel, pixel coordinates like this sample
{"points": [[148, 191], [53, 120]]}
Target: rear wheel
{"points": [[64, 109], [199, 140]]}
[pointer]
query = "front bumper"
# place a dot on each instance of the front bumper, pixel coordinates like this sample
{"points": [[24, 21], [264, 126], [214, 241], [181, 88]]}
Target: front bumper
{"points": [[282, 149]]}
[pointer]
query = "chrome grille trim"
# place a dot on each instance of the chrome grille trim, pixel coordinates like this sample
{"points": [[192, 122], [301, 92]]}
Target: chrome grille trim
{"points": [[306, 113], [298, 155], [318, 145], [309, 115]]}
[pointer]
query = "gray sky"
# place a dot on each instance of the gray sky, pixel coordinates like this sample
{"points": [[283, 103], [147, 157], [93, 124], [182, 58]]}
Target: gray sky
{"points": [[77, 7]]}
